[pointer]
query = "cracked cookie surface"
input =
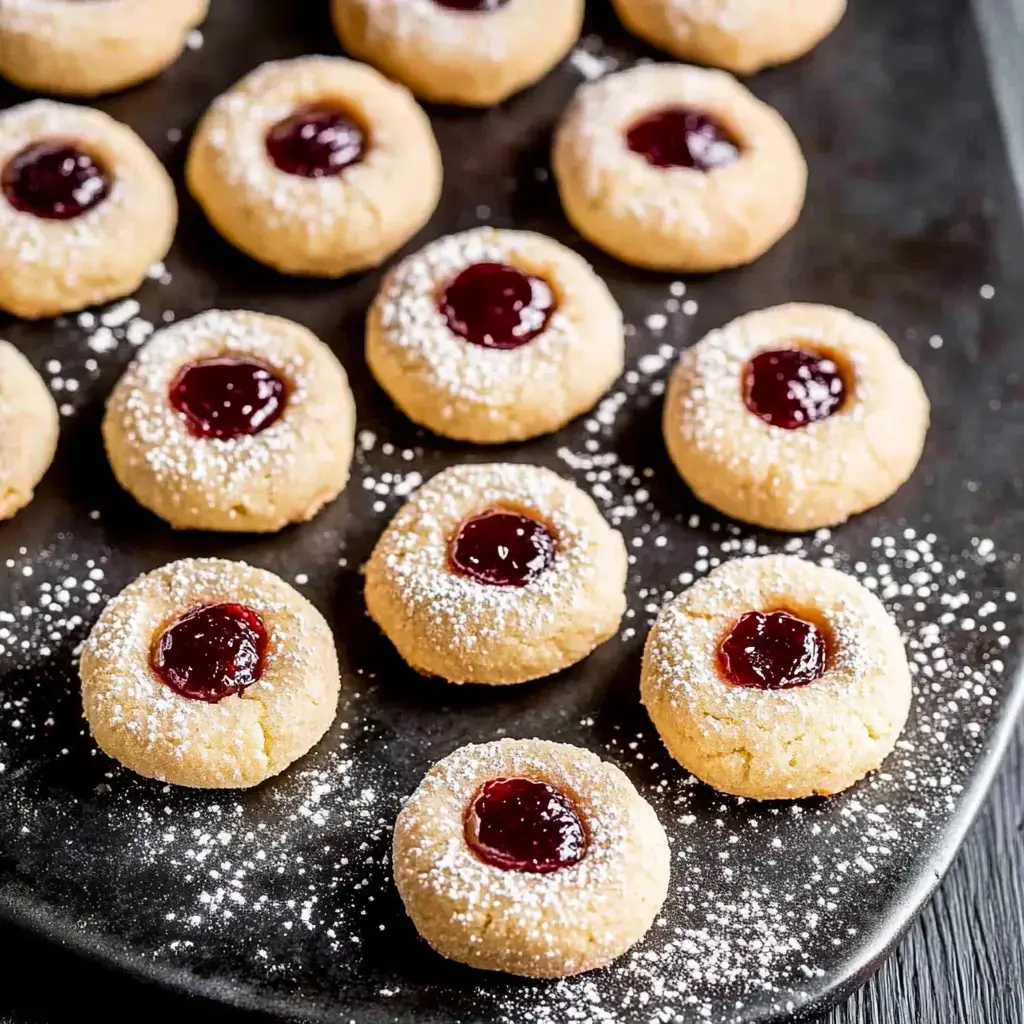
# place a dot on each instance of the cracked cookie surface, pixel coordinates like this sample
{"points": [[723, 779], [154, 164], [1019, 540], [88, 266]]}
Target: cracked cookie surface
{"points": [[540, 925], [316, 224], [238, 741], [814, 739], [820, 473]]}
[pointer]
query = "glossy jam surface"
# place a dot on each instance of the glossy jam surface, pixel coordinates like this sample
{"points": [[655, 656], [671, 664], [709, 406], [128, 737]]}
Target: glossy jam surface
{"points": [[497, 306], [791, 388], [211, 652], [502, 548], [680, 137], [772, 651], [475, 6], [228, 397], [54, 180], [317, 141], [525, 825]]}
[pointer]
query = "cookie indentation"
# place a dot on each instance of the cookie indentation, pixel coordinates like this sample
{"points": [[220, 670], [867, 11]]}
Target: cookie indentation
{"points": [[772, 651], [791, 387], [54, 180], [316, 141], [682, 137], [502, 548]]}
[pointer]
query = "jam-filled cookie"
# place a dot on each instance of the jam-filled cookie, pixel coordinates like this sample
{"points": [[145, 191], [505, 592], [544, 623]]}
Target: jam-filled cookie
{"points": [[209, 673], [494, 336], [497, 574], [318, 166], [740, 35], [795, 417], [232, 421], [29, 425], [773, 679], [470, 52], [678, 168], [85, 209], [530, 857], [85, 49]]}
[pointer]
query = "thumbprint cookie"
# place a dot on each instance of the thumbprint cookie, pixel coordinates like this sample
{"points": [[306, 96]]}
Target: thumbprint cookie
{"points": [[318, 166], [85, 209], [494, 336], [29, 425], [497, 574], [678, 168], [795, 417], [530, 857], [85, 49], [232, 421], [473, 53], [209, 673], [773, 678]]}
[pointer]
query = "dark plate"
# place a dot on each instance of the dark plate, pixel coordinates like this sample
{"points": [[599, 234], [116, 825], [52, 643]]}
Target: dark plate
{"points": [[280, 898]]}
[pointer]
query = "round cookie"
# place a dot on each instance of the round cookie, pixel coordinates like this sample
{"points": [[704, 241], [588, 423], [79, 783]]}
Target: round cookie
{"points": [[795, 417], [29, 425], [318, 166], [209, 673], [776, 679], [470, 52], [85, 49], [740, 35], [497, 574], [677, 168], [494, 336], [85, 209], [232, 421], [530, 857]]}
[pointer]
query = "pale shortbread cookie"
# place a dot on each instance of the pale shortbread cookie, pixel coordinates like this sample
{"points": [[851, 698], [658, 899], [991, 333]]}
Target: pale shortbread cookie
{"points": [[574, 919], [327, 226], [740, 35], [491, 396], [816, 475], [261, 482], [59, 266], [29, 425], [677, 218], [810, 740], [471, 58], [242, 739], [85, 49], [444, 624]]}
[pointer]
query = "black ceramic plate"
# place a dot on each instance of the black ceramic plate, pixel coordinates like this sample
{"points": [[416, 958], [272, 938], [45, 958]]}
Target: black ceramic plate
{"points": [[280, 898]]}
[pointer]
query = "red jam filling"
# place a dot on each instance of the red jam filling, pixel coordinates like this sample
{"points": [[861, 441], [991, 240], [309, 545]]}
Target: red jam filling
{"points": [[54, 180], [317, 141], [772, 651], [227, 397], [680, 137], [474, 6], [497, 306], [791, 388], [211, 652], [502, 548], [525, 825]]}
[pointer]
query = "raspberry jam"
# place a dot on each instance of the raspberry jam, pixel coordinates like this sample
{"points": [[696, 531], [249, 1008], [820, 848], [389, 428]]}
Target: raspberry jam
{"points": [[54, 180], [680, 137], [772, 651], [791, 388], [502, 548], [211, 652], [524, 825], [227, 397], [472, 6], [317, 141], [496, 306]]}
